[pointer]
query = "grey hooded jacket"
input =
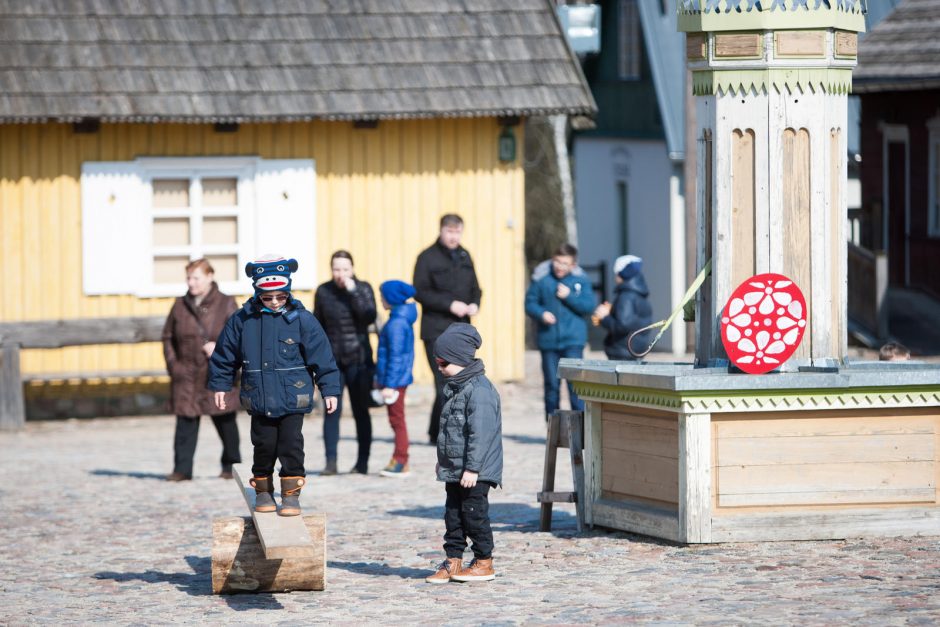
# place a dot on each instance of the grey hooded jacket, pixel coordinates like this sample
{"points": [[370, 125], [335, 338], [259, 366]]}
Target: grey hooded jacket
{"points": [[471, 435]]}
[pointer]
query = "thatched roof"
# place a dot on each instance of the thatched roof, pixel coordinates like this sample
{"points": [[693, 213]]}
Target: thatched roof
{"points": [[902, 53], [267, 60]]}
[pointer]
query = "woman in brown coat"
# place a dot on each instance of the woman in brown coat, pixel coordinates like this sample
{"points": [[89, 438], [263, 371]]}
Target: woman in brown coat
{"points": [[189, 336]]}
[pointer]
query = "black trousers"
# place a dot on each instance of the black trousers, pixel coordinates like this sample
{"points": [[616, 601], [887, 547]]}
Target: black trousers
{"points": [[467, 515], [357, 378], [439, 380], [278, 439], [187, 433]]}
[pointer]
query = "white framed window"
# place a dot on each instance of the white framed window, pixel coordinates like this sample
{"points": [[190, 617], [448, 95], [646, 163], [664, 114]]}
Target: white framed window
{"points": [[144, 220], [933, 177]]}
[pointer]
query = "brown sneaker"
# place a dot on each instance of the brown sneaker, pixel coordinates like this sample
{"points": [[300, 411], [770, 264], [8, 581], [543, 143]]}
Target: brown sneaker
{"points": [[178, 476], [226, 474], [478, 570], [447, 568]]}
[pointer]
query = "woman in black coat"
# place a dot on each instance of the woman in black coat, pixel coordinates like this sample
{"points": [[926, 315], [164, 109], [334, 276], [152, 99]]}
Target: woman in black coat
{"points": [[345, 307], [631, 309]]}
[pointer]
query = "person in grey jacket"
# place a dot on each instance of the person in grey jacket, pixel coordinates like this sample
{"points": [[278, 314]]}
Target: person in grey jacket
{"points": [[469, 454]]}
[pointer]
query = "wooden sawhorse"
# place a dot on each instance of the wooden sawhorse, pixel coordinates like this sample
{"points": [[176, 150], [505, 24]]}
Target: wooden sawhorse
{"points": [[268, 552], [565, 430]]}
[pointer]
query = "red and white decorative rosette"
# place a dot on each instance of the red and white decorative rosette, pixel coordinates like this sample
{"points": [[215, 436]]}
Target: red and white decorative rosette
{"points": [[763, 323]]}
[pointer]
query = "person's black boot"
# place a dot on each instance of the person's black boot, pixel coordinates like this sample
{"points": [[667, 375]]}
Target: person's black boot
{"points": [[264, 494]]}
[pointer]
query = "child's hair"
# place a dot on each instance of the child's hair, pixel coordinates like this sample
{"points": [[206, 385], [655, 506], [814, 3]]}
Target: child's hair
{"points": [[566, 250], [200, 264], [893, 351]]}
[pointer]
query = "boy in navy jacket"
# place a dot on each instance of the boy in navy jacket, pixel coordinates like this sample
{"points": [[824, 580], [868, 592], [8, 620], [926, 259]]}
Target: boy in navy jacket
{"points": [[396, 356], [281, 349]]}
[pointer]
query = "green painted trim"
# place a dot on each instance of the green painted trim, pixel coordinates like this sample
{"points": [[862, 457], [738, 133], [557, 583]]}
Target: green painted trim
{"points": [[829, 80], [724, 16], [763, 400]]}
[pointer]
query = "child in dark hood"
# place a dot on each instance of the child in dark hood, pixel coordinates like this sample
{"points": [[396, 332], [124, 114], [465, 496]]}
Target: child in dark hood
{"points": [[280, 348], [469, 454], [631, 309], [393, 369]]}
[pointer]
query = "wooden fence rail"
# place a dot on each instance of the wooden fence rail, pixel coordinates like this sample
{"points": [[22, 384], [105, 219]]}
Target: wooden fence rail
{"points": [[57, 334]]}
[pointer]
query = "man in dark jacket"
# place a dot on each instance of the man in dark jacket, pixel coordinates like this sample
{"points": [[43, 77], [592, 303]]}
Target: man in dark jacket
{"points": [[469, 454], [630, 312], [446, 285]]}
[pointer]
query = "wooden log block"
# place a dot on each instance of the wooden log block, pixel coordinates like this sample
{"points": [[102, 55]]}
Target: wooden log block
{"points": [[239, 564], [281, 537], [12, 406]]}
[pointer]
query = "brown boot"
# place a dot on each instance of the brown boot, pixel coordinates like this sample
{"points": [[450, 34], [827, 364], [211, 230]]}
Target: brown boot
{"points": [[447, 568], [290, 495], [478, 570], [264, 494]]}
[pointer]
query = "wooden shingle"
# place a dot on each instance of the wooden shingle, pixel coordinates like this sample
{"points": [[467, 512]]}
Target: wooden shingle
{"points": [[218, 60]]}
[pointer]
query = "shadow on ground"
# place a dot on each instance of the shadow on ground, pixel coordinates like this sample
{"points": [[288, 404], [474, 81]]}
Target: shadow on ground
{"points": [[505, 517], [104, 472], [197, 583], [375, 568]]}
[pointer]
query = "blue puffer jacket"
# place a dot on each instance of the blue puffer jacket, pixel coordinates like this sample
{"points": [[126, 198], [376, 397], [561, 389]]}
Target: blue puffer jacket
{"points": [[570, 328], [631, 311], [279, 354], [397, 348]]}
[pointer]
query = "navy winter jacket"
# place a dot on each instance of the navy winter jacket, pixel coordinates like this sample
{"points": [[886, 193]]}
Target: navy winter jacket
{"points": [[570, 328], [397, 348], [630, 311], [279, 354]]}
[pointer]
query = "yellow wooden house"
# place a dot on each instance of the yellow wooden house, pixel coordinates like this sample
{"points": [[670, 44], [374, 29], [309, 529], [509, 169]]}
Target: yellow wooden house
{"points": [[134, 139]]}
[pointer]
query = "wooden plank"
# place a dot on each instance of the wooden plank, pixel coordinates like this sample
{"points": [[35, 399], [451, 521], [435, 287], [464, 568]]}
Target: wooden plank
{"points": [[826, 524], [797, 43], [743, 205], [574, 430], [592, 459], [738, 45], [12, 406], [846, 44], [548, 471], [59, 333], [695, 46], [557, 497], [239, 564], [797, 235], [765, 451], [637, 518], [641, 439], [831, 423], [838, 247], [695, 478], [830, 497], [281, 537], [645, 476]]}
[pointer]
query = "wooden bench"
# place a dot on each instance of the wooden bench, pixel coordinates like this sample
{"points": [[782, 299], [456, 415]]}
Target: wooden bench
{"points": [[267, 552], [565, 430], [15, 336]]}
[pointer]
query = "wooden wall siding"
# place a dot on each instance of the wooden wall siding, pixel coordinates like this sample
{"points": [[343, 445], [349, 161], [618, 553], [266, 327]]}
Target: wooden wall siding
{"points": [[796, 223], [738, 45], [800, 44], [837, 245], [846, 44], [640, 455], [743, 206], [695, 46], [380, 194], [819, 458]]}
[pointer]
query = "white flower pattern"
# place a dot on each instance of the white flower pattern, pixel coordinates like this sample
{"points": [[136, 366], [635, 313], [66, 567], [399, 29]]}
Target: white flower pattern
{"points": [[763, 325]]}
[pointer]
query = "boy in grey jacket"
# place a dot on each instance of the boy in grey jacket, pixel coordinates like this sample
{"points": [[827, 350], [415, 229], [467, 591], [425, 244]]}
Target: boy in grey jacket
{"points": [[469, 454]]}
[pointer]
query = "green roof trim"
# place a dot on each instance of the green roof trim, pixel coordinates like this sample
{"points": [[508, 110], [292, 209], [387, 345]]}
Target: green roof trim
{"points": [[723, 15], [829, 80]]}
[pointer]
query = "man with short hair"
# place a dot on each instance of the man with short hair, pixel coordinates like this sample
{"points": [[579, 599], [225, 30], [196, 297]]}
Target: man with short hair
{"points": [[446, 285]]}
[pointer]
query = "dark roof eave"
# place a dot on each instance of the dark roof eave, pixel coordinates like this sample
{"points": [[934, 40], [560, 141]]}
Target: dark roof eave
{"points": [[882, 84]]}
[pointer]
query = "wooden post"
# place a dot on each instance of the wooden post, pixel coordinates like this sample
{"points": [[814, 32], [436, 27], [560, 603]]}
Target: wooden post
{"points": [[548, 471], [239, 564], [695, 478], [575, 428], [12, 406]]}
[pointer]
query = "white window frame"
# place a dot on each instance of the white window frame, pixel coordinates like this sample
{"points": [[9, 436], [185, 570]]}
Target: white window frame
{"points": [[933, 170], [195, 169]]}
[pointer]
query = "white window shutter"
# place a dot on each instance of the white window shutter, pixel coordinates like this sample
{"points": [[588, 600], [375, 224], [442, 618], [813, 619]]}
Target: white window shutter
{"points": [[285, 215], [112, 227]]}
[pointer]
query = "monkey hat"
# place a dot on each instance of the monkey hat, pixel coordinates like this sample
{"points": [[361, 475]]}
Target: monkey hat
{"points": [[271, 273]]}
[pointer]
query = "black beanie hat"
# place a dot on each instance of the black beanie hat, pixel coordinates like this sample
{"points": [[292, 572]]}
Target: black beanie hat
{"points": [[458, 343]]}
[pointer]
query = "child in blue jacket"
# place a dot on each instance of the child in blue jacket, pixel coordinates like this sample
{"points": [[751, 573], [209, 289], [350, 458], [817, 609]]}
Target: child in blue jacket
{"points": [[396, 356], [281, 349], [558, 299]]}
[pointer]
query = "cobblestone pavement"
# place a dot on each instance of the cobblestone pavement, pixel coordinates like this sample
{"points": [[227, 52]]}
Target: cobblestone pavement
{"points": [[91, 533]]}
